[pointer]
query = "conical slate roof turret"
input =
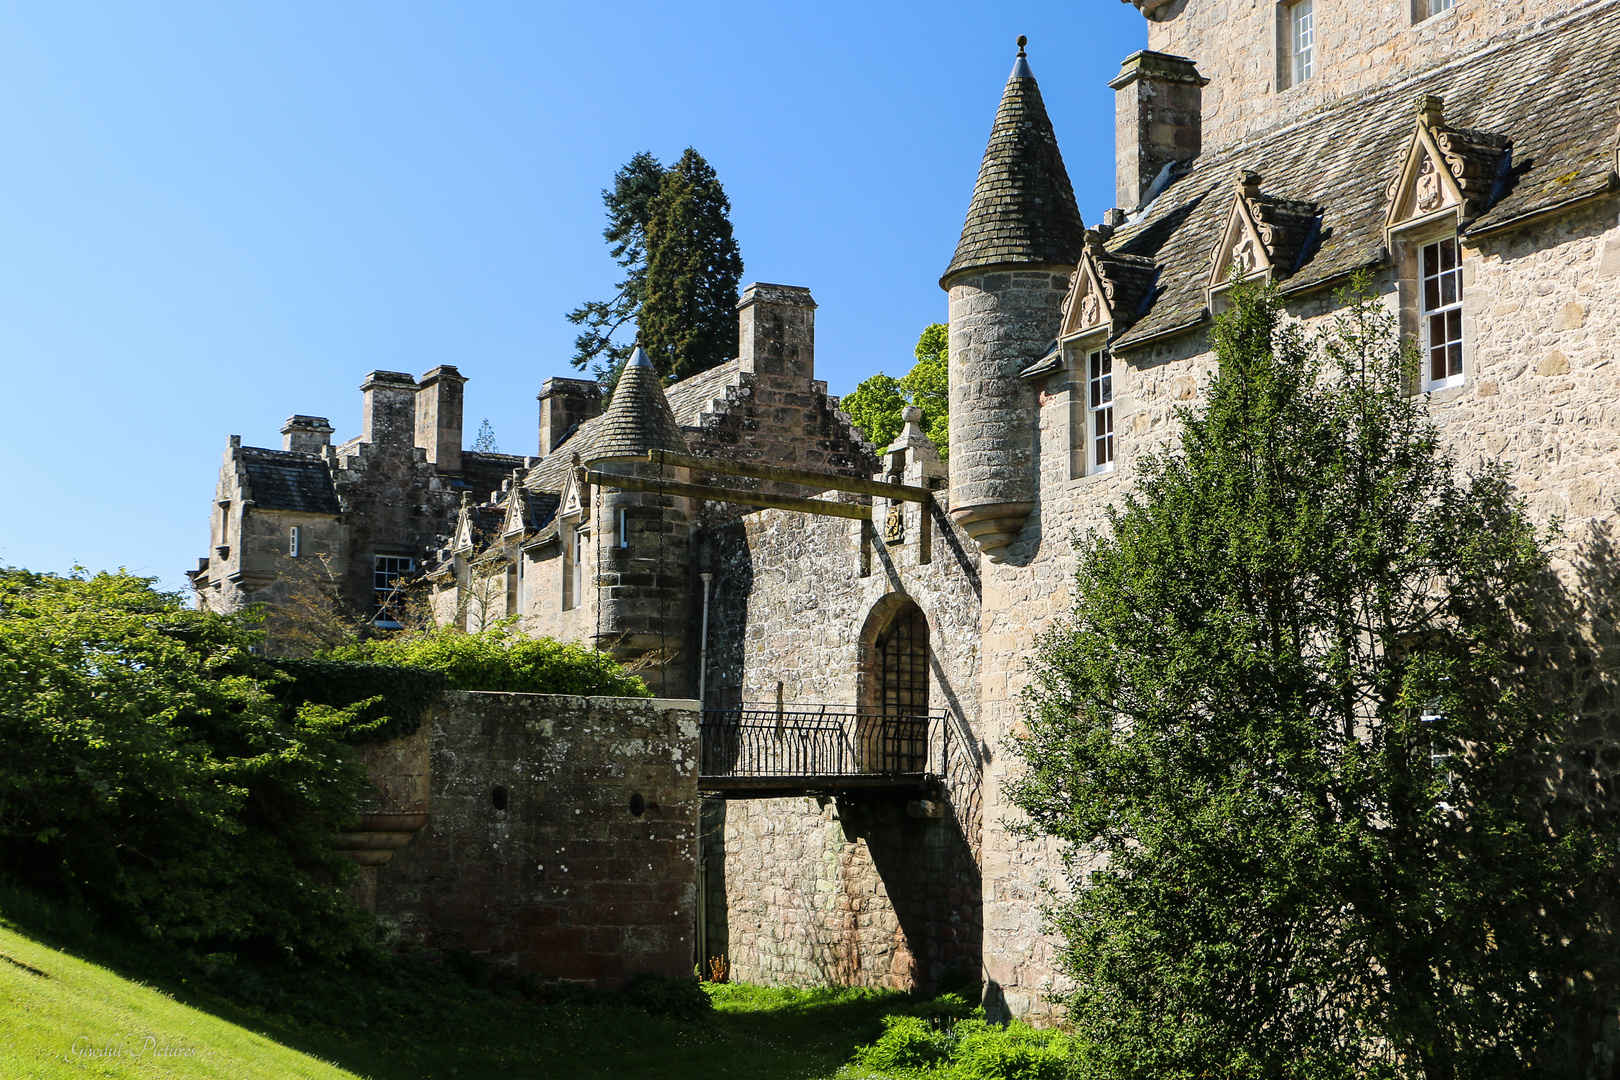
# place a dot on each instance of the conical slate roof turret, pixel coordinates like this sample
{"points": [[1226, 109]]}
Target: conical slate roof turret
{"points": [[1023, 208], [638, 419]]}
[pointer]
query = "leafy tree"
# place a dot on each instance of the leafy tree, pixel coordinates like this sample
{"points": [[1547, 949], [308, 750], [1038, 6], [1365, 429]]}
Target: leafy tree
{"points": [[502, 658], [688, 320], [877, 403], [629, 205], [875, 407], [149, 769], [485, 442], [1288, 740]]}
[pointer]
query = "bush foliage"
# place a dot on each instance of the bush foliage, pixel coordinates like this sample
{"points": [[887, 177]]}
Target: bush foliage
{"points": [[501, 658], [1296, 734], [388, 700], [150, 769], [942, 1044]]}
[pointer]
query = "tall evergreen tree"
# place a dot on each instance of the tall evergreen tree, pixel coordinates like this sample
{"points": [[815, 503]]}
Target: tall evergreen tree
{"points": [[1298, 741], [688, 319], [629, 204]]}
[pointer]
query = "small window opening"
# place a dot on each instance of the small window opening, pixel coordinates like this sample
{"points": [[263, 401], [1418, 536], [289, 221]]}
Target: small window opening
{"points": [[497, 797], [1442, 315], [1437, 7], [624, 528], [1302, 42], [390, 575], [292, 542], [638, 804], [1100, 411]]}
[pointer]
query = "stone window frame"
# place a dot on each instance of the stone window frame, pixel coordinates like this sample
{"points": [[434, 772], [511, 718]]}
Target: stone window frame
{"points": [[1076, 360], [1286, 27], [387, 574], [1449, 311], [293, 545], [1407, 242], [1099, 375], [571, 595], [1424, 10]]}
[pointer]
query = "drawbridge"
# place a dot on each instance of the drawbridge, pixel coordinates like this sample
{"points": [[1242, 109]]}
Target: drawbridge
{"points": [[764, 750]]}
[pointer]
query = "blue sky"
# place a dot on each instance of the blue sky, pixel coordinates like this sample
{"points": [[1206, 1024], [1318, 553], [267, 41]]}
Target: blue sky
{"points": [[213, 216]]}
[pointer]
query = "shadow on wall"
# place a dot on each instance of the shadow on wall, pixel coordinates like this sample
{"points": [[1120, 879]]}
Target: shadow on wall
{"points": [[724, 551]]}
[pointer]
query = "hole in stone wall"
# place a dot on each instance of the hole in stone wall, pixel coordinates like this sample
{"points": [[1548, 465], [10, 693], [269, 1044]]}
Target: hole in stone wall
{"points": [[638, 805], [498, 797]]}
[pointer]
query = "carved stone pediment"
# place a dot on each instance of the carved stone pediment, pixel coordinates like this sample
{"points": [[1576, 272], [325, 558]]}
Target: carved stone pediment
{"points": [[463, 539], [1108, 288], [1446, 168], [517, 505], [1265, 236], [576, 494]]}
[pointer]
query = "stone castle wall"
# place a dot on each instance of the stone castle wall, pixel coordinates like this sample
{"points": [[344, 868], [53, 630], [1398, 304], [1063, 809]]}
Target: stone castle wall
{"points": [[1542, 394], [1239, 47], [561, 837], [861, 892]]}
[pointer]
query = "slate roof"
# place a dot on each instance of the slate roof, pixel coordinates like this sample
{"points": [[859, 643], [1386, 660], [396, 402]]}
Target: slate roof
{"points": [[482, 473], [638, 419], [689, 397], [283, 480], [1552, 89], [1023, 208]]}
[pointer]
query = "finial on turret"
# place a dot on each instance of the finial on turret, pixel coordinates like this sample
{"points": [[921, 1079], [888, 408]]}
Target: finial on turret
{"points": [[1021, 65]]}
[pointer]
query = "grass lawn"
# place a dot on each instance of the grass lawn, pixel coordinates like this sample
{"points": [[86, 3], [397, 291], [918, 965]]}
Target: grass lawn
{"points": [[398, 1023]]}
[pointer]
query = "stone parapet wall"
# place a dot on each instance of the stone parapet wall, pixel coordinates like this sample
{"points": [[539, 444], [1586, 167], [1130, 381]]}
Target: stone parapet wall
{"points": [[534, 854]]}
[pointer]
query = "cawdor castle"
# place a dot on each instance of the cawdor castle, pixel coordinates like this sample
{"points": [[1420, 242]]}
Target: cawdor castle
{"points": [[837, 632]]}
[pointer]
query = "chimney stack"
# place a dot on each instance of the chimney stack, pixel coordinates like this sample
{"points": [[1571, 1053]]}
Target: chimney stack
{"points": [[438, 417], [306, 434], [776, 331], [1158, 118], [388, 412], [564, 405]]}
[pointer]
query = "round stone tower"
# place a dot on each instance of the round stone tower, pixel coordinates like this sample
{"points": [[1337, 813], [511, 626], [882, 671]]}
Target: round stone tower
{"points": [[1006, 283], [643, 539]]}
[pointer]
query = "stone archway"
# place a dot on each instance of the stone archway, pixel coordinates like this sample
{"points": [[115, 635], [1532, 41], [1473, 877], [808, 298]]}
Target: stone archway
{"points": [[894, 686]]}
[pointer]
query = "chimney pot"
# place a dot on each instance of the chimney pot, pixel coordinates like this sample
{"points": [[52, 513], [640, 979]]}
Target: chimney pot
{"points": [[564, 405], [1158, 103], [776, 331], [306, 434], [438, 417], [388, 409]]}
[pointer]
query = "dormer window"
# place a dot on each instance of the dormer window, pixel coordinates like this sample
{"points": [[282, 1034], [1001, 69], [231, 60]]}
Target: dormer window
{"points": [[1441, 288], [1301, 42]]}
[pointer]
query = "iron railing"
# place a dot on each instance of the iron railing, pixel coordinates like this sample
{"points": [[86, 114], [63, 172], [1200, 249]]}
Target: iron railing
{"points": [[762, 740]]}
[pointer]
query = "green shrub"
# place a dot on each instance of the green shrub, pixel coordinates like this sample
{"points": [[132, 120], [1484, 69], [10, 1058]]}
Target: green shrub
{"points": [[388, 700], [947, 1039], [150, 770], [907, 1042], [1015, 1052], [678, 999], [502, 659]]}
